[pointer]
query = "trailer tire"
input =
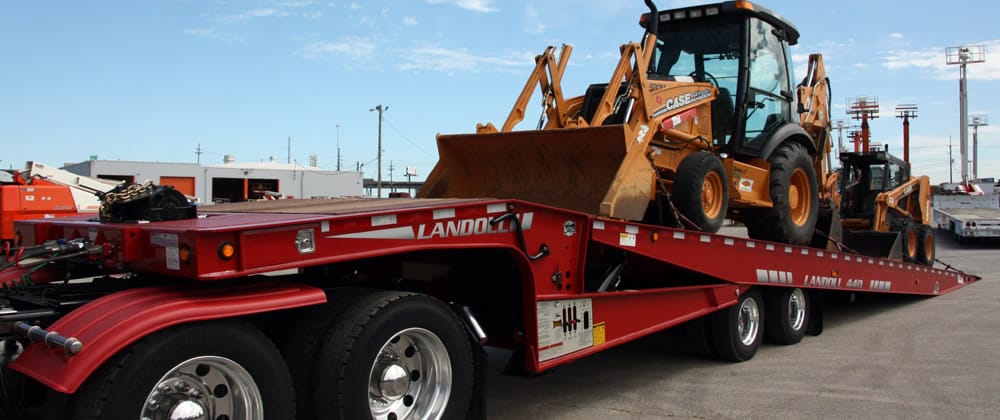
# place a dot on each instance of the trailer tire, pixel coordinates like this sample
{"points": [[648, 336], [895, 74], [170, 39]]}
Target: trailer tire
{"points": [[701, 192], [926, 245], [911, 243], [737, 330], [787, 315], [227, 369], [301, 348], [795, 196], [395, 355]]}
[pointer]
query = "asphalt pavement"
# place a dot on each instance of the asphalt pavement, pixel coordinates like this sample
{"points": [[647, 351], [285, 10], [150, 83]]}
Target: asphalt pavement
{"points": [[879, 357]]}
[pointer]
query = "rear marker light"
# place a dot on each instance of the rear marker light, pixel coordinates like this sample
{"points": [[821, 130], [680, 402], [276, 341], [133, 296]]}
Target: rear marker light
{"points": [[185, 254], [227, 250]]}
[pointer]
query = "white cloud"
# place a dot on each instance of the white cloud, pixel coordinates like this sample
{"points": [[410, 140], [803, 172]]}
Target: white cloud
{"points": [[896, 35], [933, 60], [301, 3], [409, 20], [460, 60], [253, 14], [356, 49], [211, 33], [482, 6]]}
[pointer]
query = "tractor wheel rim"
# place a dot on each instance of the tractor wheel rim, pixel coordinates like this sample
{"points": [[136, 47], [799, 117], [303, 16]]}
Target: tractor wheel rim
{"points": [[410, 377], [711, 195], [748, 321], [796, 309], [798, 197], [206, 387]]}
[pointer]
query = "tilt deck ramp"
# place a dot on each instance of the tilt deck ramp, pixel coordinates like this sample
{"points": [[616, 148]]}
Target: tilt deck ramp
{"points": [[583, 283]]}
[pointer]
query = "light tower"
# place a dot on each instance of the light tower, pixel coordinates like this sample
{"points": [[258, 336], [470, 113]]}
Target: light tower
{"points": [[962, 56], [863, 108], [975, 122], [906, 111]]}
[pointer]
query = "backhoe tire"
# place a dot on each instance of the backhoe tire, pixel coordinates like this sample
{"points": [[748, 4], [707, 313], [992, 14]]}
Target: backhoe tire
{"points": [[787, 315], [394, 355], [738, 330], [795, 197], [701, 191], [926, 248]]}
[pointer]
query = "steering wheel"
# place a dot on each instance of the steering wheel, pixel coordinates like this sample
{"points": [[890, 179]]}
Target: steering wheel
{"points": [[711, 79]]}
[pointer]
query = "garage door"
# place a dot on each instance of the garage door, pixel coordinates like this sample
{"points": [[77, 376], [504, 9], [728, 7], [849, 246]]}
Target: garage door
{"points": [[183, 184]]}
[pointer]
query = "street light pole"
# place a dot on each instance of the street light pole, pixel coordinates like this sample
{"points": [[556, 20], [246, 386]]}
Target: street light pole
{"points": [[975, 122], [380, 109]]}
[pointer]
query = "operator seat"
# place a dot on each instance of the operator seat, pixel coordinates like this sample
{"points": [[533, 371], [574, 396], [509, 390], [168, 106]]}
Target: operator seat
{"points": [[722, 116]]}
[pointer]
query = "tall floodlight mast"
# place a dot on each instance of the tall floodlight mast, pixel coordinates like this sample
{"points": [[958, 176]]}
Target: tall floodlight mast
{"points": [[975, 122], [962, 56]]}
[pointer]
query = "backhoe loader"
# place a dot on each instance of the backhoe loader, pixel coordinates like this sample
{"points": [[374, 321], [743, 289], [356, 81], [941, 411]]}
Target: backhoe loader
{"points": [[698, 122]]}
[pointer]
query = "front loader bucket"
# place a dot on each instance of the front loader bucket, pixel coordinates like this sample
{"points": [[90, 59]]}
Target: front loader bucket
{"points": [[583, 169], [876, 244]]}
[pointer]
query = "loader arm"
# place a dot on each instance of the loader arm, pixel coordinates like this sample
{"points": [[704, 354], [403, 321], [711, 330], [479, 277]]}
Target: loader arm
{"points": [[547, 76]]}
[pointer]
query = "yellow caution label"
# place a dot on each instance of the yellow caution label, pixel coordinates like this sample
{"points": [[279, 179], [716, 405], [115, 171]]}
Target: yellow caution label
{"points": [[599, 334]]}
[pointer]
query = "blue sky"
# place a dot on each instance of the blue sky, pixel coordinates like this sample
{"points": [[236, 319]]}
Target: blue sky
{"points": [[151, 80]]}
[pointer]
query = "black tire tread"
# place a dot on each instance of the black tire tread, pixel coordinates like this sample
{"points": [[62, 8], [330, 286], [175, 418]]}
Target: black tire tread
{"points": [[774, 224], [688, 184]]}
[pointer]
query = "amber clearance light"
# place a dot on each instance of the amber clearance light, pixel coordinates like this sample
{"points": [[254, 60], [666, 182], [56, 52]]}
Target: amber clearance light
{"points": [[227, 250], [185, 254]]}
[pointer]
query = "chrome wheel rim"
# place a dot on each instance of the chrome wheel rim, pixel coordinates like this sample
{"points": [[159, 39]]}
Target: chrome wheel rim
{"points": [[206, 387], [797, 309], [748, 321], [410, 377]]}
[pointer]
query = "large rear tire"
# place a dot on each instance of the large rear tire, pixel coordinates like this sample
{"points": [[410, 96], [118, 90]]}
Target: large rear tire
{"points": [[926, 247], [701, 192], [216, 370], [738, 329], [395, 356], [787, 315], [795, 197]]}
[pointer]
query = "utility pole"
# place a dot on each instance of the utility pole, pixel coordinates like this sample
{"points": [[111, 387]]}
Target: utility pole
{"points": [[963, 56], [392, 185], [380, 110], [975, 122], [289, 150], [951, 163], [198, 152], [906, 111], [338, 147]]}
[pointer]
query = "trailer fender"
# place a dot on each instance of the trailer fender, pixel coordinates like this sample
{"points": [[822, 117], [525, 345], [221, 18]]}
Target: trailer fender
{"points": [[107, 325]]}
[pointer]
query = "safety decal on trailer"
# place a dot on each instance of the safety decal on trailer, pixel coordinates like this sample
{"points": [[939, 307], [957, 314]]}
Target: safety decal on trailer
{"points": [[626, 239], [169, 242], [565, 326], [599, 337]]}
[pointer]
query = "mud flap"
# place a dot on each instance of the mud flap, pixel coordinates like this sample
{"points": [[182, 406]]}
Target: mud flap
{"points": [[583, 169]]}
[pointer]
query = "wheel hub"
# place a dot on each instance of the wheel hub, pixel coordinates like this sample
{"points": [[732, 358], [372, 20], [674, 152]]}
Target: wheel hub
{"points": [[748, 321], [202, 388], [395, 382]]}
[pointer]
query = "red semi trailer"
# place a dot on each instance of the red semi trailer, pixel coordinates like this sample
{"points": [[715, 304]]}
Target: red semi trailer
{"points": [[362, 308]]}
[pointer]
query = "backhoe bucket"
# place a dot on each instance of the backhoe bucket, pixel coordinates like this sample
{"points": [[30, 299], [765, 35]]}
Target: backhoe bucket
{"points": [[573, 168]]}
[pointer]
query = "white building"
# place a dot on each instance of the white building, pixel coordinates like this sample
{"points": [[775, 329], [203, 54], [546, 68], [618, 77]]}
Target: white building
{"points": [[230, 181]]}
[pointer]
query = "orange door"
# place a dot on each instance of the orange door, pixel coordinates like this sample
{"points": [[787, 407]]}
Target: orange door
{"points": [[183, 184]]}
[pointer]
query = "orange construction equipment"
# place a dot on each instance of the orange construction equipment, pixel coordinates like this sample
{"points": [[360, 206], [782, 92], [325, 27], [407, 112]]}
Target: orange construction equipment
{"points": [[698, 122]]}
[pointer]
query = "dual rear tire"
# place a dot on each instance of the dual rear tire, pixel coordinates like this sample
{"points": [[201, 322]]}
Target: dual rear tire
{"points": [[737, 332]]}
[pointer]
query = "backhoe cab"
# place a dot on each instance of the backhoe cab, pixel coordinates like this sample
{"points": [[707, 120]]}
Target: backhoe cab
{"points": [[697, 123]]}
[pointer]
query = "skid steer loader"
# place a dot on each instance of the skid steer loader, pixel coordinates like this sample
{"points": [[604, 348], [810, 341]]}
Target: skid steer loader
{"points": [[698, 122], [884, 211]]}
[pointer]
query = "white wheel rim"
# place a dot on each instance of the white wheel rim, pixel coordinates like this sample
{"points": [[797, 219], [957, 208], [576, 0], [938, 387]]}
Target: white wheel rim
{"points": [[410, 377], [206, 387], [748, 321]]}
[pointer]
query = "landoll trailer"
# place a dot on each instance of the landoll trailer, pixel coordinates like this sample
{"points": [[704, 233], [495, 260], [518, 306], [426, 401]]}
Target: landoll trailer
{"points": [[361, 308]]}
